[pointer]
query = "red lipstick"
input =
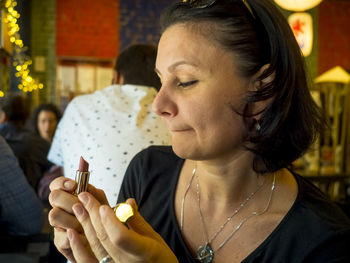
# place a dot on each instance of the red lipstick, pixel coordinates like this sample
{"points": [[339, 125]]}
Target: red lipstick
{"points": [[82, 176]]}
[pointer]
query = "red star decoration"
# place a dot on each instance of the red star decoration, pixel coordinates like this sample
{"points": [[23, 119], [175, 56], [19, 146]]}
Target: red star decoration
{"points": [[297, 27]]}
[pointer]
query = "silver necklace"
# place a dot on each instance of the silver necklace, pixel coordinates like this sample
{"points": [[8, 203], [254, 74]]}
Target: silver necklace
{"points": [[205, 253]]}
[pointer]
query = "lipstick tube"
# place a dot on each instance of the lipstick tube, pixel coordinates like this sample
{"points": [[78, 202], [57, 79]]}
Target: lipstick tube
{"points": [[82, 177]]}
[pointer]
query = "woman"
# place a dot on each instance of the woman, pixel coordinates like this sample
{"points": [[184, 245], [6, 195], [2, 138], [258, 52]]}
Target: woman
{"points": [[44, 122], [234, 96], [45, 119]]}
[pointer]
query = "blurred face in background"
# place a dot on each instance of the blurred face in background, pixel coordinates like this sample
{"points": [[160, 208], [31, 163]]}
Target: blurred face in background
{"points": [[47, 123]]}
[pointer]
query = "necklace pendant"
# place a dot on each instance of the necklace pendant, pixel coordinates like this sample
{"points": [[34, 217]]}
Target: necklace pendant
{"points": [[205, 253]]}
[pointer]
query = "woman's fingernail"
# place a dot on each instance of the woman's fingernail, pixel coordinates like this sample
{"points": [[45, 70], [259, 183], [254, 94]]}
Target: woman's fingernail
{"points": [[68, 185], [69, 234], [103, 210], [78, 209], [83, 198]]}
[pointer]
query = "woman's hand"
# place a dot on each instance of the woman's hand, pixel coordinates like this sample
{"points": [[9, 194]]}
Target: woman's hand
{"points": [[108, 236], [62, 217]]}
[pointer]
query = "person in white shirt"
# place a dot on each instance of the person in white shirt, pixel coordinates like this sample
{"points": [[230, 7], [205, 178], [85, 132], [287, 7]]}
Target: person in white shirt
{"points": [[111, 125]]}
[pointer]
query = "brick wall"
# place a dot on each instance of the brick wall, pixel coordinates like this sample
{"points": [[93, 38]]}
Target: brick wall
{"points": [[334, 36], [87, 28]]}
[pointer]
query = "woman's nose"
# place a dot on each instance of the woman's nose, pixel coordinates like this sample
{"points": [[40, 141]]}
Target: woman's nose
{"points": [[164, 104]]}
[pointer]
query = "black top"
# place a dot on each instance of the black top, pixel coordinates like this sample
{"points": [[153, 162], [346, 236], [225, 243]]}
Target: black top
{"points": [[30, 149], [314, 230]]}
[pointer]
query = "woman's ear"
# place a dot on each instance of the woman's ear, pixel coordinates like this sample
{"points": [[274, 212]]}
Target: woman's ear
{"points": [[257, 108], [258, 82]]}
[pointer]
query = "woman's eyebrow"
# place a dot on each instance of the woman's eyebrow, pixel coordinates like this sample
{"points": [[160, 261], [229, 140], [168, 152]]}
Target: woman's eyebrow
{"points": [[172, 67]]}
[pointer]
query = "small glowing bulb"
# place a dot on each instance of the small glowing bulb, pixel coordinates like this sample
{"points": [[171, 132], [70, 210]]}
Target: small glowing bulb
{"points": [[18, 68], [41, 86], [2, 94]]}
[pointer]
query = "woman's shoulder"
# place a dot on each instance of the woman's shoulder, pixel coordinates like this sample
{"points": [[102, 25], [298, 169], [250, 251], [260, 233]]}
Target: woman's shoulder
{"points": [[316, 222], [322, 228], [310, 231], [316, 205]]}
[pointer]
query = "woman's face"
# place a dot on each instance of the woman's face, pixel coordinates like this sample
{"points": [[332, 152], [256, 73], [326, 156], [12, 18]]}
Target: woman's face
{"points": [[200, 87], [47, 123]]}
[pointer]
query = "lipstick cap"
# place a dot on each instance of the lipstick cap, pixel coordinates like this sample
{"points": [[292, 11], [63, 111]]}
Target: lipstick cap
{"points": [[123, 211]]}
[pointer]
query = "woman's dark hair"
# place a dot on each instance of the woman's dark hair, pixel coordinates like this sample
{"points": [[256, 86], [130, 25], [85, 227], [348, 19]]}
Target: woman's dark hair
{"points": [[258, 34], [44, 107], [136, 64]]}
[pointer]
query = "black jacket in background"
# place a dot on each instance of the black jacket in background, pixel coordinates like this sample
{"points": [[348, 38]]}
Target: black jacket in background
{"points": [[30, 149]]}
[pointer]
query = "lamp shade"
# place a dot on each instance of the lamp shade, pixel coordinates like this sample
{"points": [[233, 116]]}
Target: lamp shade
{"points": [[298, 5], [336, 74]]}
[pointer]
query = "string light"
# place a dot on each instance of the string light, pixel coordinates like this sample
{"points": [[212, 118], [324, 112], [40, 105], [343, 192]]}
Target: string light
{"points": [[21, 61]]}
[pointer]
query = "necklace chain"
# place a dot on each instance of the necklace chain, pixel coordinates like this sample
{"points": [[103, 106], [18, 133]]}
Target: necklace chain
{"points": [[205, 253], [183, 200], [241, 205]]}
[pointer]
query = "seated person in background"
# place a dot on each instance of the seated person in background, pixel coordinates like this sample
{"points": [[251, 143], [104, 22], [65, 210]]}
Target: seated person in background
{"points": [[21, 212], [44, 121], [31, 150], [236, 100], [111, 125]]}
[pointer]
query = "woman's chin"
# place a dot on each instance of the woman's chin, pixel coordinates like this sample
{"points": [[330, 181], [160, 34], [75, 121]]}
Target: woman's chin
{"points": [[184, 151]]}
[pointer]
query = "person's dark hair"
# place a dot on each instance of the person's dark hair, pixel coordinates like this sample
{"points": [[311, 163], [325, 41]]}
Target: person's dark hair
{"points": [[44, 107], [136, 64], [258, 34], [15, 107]]}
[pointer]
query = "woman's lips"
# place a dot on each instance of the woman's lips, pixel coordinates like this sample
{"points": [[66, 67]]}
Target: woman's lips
{"points": [[180, 130]]}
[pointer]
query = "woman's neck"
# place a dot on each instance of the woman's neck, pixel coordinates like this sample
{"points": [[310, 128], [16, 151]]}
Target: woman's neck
{"points": [[227, 181]]}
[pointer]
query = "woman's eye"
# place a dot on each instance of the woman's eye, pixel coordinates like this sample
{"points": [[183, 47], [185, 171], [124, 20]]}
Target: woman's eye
{"points": [[187, 83]]}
